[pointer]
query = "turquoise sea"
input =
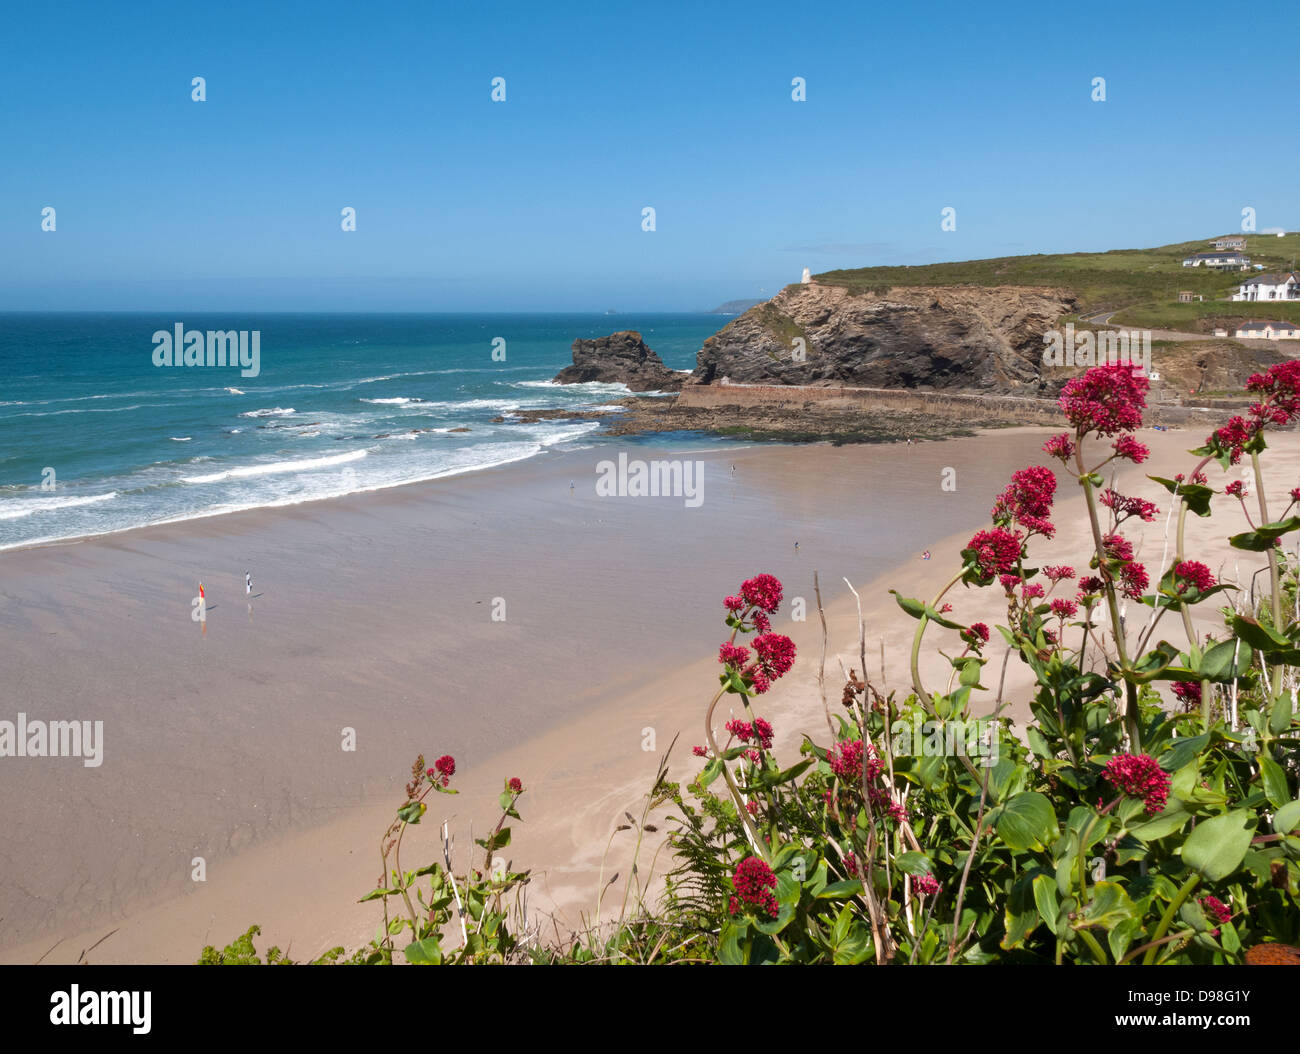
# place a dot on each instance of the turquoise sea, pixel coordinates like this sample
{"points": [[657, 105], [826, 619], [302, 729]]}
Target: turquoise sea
{"points": [[94, 437]]}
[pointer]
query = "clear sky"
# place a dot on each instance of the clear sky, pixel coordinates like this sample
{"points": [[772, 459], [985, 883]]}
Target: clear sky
{"points": [[535, 203]]}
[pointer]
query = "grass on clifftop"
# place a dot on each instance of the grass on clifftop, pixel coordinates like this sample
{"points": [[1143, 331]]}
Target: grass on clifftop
{"points": [[1143, 282]]}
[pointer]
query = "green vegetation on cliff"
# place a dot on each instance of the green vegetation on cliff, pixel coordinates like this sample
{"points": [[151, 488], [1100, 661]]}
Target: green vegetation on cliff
{"points": [[1142, 284]]}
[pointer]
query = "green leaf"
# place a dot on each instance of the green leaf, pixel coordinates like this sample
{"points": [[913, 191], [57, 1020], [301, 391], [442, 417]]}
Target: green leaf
{"points": [[730, 950], [1196, 495], [1026, 821], [1274, 781], [1279, 719], [1287, 818], [1021, 915], [1224, 661], [1218, 845], [1258, 636], [710, 772], [427, 952], [841, 890], [1046, 899], [1109, 905], [411, 812], [1261, 540], [914, 863], [1183, 751], [1164, 823]]}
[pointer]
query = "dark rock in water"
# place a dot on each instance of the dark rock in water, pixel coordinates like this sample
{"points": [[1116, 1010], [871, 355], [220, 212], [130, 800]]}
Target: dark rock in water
{"points": [[917, 338], [620, 358]]}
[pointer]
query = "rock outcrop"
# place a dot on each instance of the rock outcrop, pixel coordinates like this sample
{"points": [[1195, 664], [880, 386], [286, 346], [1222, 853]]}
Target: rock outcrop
{"points": [[974, 338], [620, 358]]}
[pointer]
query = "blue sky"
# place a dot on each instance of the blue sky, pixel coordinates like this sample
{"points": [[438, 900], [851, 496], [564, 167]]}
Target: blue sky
{"points": [[535, 204]]}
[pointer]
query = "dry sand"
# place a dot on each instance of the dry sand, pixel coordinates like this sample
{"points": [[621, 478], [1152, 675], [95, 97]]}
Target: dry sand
{"points": [[375, 615]]}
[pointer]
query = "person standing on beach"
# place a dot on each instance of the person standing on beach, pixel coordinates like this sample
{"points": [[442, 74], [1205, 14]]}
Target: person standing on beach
{"points": [[248, 583]]}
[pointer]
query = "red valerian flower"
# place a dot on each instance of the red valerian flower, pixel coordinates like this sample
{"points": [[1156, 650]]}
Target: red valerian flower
{"points": [[775, 654], [1064, 608], [1189, 692], [1061, 446], [1295, 493], [699, 752], [1231, 438], [1106, 400], [1091, 584], [927, 885], [851, 864], [1217, 908], [1059, 572], [1032, 591], [733, 603], [516, 785], [1133, 580], [732, 654], [1238, 489], [1141, 776], [1009, 582], [761, 622], [742, 730], [763, 733], [1280, 386], [763, 591], [1196, 574], [446, 768], [1125, 508], [976, 635], [1027, 501], [847, 757], [996, 551], [1127, 448], [754, 882]]}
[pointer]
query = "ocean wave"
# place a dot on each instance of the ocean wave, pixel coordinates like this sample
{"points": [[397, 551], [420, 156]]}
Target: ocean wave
{"points": [[400, 400], [181, 439], [18, 508], [277, 411], [276, 467]]}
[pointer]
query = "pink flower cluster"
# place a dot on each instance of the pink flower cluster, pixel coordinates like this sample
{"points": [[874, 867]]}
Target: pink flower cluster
{"points": [[1195, 574], [1131, 575], [763, 592], [443, 769], [1140, 776], [1027, 501], [1129, 449], [976, 635], [926, 885], [1189, 692], [1064, 608], [754, 882], [775, 654], [846, 760], [759, 731], [1126, 508], [996, 551], [1106, 400]]}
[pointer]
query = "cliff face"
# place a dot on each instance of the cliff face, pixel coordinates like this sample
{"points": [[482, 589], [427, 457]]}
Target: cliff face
{"points": [[948, 337], [620, 358]]}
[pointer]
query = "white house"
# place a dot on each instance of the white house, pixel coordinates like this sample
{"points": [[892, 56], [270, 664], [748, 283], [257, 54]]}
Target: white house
{"points": [[1269, 330], [1231, 241], [1218, 261], [1270, 287]]}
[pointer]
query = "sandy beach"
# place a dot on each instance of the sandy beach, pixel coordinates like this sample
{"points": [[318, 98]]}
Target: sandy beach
{"points": [[223, 740]]}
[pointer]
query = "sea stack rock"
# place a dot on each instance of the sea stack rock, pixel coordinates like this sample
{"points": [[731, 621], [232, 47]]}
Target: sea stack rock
{"points": [[620, 358]]}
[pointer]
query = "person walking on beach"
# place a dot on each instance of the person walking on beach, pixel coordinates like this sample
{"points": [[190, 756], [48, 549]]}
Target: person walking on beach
{"points": [[248, 583]]}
